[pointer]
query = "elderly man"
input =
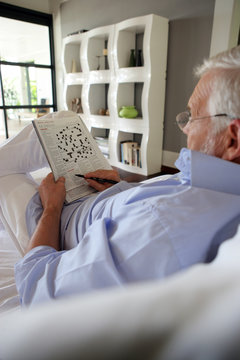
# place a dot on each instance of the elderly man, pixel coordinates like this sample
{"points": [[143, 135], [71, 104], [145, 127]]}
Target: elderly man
{"points": [[139, 232]]}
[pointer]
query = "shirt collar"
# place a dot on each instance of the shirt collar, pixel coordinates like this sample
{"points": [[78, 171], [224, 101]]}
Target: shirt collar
{"points": [[208, 172]]}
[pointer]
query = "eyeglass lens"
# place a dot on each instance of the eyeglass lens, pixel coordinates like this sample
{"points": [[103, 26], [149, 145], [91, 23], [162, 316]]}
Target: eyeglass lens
{"points": [[182, 119]]}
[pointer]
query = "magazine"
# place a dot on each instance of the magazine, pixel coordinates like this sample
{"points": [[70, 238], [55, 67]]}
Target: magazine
{"points": [[70, 149]]}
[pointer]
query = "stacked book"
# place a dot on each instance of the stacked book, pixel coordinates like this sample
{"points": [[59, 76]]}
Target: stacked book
{"points": [[103, 145], [130, 153]]}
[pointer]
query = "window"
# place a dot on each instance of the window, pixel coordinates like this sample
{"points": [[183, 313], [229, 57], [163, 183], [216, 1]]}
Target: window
{"points": [[27, 72]]}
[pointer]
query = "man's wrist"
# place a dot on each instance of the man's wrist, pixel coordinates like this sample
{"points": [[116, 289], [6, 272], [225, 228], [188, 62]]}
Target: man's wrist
{"points": [[52, 211], [50, 220]]}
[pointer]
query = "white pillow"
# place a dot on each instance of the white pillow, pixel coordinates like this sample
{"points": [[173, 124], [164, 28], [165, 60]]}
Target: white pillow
{"points": [[23, 152], [20, 155], [15, 192]]}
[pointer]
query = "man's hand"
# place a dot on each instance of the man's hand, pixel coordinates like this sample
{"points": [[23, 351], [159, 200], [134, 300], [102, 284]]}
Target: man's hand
{"points": [[102, 174], [52, 193]]}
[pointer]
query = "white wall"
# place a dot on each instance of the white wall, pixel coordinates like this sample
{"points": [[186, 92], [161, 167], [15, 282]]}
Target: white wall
{"points": [[37, 5]]}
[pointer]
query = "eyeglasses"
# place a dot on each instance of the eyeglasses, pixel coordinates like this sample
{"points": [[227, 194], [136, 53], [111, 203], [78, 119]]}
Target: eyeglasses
{"points": [[184, 118]]}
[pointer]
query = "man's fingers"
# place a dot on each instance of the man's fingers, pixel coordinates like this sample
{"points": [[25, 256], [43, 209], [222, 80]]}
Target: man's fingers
{"points": [[104, 174], [97, 186], [50, 176], [61, 179]]}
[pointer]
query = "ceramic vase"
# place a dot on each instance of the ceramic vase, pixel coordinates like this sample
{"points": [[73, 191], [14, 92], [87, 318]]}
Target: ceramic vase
{"points": [[128, 112]]}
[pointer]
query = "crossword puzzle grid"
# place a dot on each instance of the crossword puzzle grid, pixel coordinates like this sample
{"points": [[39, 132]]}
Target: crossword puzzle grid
{"points": [[73, 144]]}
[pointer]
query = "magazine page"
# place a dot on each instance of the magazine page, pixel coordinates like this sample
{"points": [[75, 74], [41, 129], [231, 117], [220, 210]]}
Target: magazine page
{"points": [[70, 149]]}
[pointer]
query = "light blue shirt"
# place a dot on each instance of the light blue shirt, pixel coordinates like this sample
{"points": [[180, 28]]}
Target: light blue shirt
{"points": [[135, 232]]}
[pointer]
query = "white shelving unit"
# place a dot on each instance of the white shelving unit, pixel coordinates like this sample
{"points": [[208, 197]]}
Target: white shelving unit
{"points": [[104, 80]]}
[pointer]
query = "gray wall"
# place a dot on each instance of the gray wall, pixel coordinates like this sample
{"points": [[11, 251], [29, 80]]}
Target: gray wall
{"points": [[190, 27]]}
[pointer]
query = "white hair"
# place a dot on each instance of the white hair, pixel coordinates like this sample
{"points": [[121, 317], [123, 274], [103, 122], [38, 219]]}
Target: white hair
{"points": [[229, 59], [225, 85]]}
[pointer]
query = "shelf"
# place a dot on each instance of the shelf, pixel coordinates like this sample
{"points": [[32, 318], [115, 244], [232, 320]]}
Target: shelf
{"points": [[75, 78], [103, 79], [136, 74], [101, 121], [130, 125], [98, 77]]}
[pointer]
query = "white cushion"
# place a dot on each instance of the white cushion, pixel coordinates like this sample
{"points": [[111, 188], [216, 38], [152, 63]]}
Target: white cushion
{"points": [[192, 315], [15, 192]]}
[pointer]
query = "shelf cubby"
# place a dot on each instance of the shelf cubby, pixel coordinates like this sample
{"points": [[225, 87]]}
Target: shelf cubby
{"points": [[72, 63], [98, 98], [101, 136], [139, 48], [129, 94], [102, 132], [98, 48], [134, 158], [73, 92], [96, 58], [128, 39]]}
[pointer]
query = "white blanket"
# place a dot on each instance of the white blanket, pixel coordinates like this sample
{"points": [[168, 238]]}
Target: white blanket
{"points": [[191, 316], [8, 257]]}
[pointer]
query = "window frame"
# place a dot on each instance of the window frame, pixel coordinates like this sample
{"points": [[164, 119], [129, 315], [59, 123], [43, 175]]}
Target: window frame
{"points": [[35, 17]]}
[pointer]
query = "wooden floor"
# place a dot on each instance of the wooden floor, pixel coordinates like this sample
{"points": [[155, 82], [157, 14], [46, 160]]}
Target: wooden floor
{"points": [[131, 177]]}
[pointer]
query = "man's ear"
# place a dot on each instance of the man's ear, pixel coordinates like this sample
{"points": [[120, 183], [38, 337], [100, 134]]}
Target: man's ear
{"points": [[232, 152]]}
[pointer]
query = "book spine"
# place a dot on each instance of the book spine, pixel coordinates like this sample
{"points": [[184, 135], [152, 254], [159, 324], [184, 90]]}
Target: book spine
{"points": [[130, 153]]}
